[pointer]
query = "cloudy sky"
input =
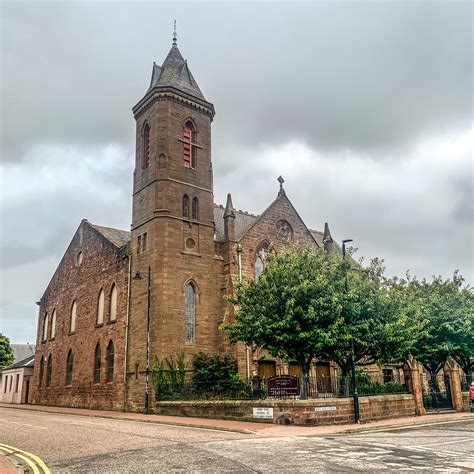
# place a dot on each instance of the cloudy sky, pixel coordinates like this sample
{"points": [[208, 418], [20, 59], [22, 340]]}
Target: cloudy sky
{"points": [[365, 108]]}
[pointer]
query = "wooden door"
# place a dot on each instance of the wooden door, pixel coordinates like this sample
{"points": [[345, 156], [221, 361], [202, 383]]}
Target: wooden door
{"points": [[266, 368]]}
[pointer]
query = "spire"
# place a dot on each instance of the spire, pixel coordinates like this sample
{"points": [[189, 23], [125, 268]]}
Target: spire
{"points": [[229, 219], [175, 35], [175, 72], [327, 239], [281, 192], [229, 207]]}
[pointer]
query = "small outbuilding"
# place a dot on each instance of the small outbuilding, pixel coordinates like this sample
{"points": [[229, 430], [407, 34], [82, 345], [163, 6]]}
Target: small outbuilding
{"points": [[16, 380]]}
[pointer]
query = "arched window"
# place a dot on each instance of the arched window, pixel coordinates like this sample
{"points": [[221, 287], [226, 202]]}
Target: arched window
{"points": [[97, 362], [189, 145], [72, 326], [100, 307], [113, 303], [53, 324], [146, 145], [69, 367], [189, 312], [41, 372], [45, 327], [186, 206], [195, 209], [49, 371], [260, 259], [110, 362]]}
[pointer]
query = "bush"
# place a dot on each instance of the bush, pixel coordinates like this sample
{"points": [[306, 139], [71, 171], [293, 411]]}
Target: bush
{"points": [[215, 377], [169, 382]]}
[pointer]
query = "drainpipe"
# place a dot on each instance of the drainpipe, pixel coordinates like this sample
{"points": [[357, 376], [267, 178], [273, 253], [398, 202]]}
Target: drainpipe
{"points": [[129, 291]]}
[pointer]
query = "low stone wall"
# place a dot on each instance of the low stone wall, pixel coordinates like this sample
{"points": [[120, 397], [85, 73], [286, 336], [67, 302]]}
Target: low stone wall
{"points": [[323, 411], [465, 401]]}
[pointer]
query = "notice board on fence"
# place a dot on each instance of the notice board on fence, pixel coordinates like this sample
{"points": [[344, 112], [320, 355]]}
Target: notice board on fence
{"points": [[283, 385]]}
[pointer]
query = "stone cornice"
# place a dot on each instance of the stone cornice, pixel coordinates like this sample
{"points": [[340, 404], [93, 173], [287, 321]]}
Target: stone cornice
{"points": [[171, 93]]}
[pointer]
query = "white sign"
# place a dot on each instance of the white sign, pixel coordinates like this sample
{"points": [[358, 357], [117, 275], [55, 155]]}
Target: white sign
{"points": [[332, 408], [264, 413]]}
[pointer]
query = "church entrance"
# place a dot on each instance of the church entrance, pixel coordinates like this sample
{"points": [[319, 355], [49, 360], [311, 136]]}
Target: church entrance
{"points": [[294, 369], [266, 368]]}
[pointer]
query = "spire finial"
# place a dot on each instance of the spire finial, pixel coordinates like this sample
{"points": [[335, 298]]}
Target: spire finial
{"points": [[175, 35], [281, 181]]}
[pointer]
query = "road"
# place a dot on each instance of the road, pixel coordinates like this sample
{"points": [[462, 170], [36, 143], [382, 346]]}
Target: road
{"points": [[71, 443]]}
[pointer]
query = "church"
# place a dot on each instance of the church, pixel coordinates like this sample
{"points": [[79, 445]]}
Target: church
{"points": [[119, 298]]}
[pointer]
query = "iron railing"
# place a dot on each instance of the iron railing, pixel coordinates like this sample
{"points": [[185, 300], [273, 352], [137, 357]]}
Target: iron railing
{"points": [[268, 388]]}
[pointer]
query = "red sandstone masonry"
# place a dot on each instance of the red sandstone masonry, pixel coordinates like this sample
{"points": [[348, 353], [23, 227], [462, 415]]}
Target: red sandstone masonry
{"points": [[298, 412]]}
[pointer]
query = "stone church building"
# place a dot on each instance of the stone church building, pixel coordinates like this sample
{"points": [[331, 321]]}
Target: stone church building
{"points": [[119, 298]]}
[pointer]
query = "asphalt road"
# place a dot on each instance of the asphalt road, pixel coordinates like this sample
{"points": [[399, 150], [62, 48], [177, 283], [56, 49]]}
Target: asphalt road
{"points": [[71, 443]]}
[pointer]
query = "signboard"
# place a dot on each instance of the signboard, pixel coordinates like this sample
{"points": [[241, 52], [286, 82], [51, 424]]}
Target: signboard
{"points": [[331, 408], [283, 385], [263, 413]]}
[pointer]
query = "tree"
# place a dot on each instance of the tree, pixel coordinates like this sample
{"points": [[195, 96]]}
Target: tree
{"points": [[446, 313], [6, 351], [380, 332], [294, 309]]}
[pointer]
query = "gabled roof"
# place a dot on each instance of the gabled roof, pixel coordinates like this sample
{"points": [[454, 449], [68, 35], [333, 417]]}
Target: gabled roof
{"points": [[117, 236], [22, 351], [27, 362], [175, 72]]}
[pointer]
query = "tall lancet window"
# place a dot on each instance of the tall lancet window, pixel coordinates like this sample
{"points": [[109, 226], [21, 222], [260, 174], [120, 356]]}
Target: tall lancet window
{"points": [[146, 145], [189, 145], [189, 312], [186, 206], [195, 209]]}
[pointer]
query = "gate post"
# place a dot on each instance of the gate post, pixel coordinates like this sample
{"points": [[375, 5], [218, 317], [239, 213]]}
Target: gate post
{"points": [[451, 368], [412, 373]]}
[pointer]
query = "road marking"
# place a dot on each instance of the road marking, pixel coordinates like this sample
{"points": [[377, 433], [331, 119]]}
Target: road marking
{"points": [[459, 440], [30, 458]]}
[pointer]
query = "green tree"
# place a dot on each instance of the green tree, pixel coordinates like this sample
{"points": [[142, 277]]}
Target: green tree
{"points": [[294, 309], [446, 313], [380, 332], [6, 351]]}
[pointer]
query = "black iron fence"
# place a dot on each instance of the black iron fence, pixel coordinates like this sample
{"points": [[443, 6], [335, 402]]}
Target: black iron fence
{"points": [[466, 381], [281, 387]]}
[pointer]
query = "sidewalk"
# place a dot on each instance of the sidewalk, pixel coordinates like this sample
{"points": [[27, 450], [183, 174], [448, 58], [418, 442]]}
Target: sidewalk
{"points": [[7, 466], [252, 428]]}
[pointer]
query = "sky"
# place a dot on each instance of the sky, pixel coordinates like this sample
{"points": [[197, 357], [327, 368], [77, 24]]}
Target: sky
{"points": [[365, 109]]}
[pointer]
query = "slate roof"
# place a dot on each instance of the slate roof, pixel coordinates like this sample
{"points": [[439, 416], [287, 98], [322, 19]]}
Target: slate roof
{"points": [[117, 236], [22, 351], [243, 222], [27, 362], [175, 72]]}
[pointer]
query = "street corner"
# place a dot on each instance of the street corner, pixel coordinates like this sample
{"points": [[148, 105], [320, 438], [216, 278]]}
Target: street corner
{"points": [[14, 460]]}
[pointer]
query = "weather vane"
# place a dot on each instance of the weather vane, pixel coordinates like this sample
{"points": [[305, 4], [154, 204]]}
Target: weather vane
{"points": [[175, 35]]}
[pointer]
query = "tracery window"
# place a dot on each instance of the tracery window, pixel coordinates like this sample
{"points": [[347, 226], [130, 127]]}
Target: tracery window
{"points": [[49, 371], [72, 326], [110, 362], [97, 363], [260, 259], [189, 312], [53, 324], [113, 303], [146, 145], [100, 307], [69, 367], [186, 206], [189, 145], [195, 209]]}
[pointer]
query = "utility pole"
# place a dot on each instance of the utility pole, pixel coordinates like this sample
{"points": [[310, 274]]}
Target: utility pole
{"points": [[355, 395]]}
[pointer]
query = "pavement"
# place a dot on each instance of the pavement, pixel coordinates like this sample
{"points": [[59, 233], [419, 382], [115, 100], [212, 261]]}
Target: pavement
{"points": [[77, 440], [256, 428]]}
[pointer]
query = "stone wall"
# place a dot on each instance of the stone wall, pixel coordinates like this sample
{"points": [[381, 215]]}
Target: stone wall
{"points": [[326, 411], [103, 265]]}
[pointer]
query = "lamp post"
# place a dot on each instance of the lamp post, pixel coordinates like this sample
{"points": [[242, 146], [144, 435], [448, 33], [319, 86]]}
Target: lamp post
{"points": [[355, 395], [148, 315]]}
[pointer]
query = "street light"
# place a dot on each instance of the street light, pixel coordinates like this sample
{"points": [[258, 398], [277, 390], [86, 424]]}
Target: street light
{"points": [[138, 276], [355, 395]]}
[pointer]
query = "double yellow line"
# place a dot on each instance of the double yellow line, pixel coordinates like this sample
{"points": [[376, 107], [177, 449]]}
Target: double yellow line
{"points": [[35, 463]]}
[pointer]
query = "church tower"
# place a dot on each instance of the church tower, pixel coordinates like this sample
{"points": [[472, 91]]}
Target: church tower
{"points": [[174, 301]]}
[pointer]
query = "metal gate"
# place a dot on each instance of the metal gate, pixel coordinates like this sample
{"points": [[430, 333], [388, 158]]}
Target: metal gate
{"points": [[436, 392]]}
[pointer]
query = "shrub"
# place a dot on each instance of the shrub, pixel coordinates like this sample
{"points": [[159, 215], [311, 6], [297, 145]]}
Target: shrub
{"points": [[168, 381]]}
